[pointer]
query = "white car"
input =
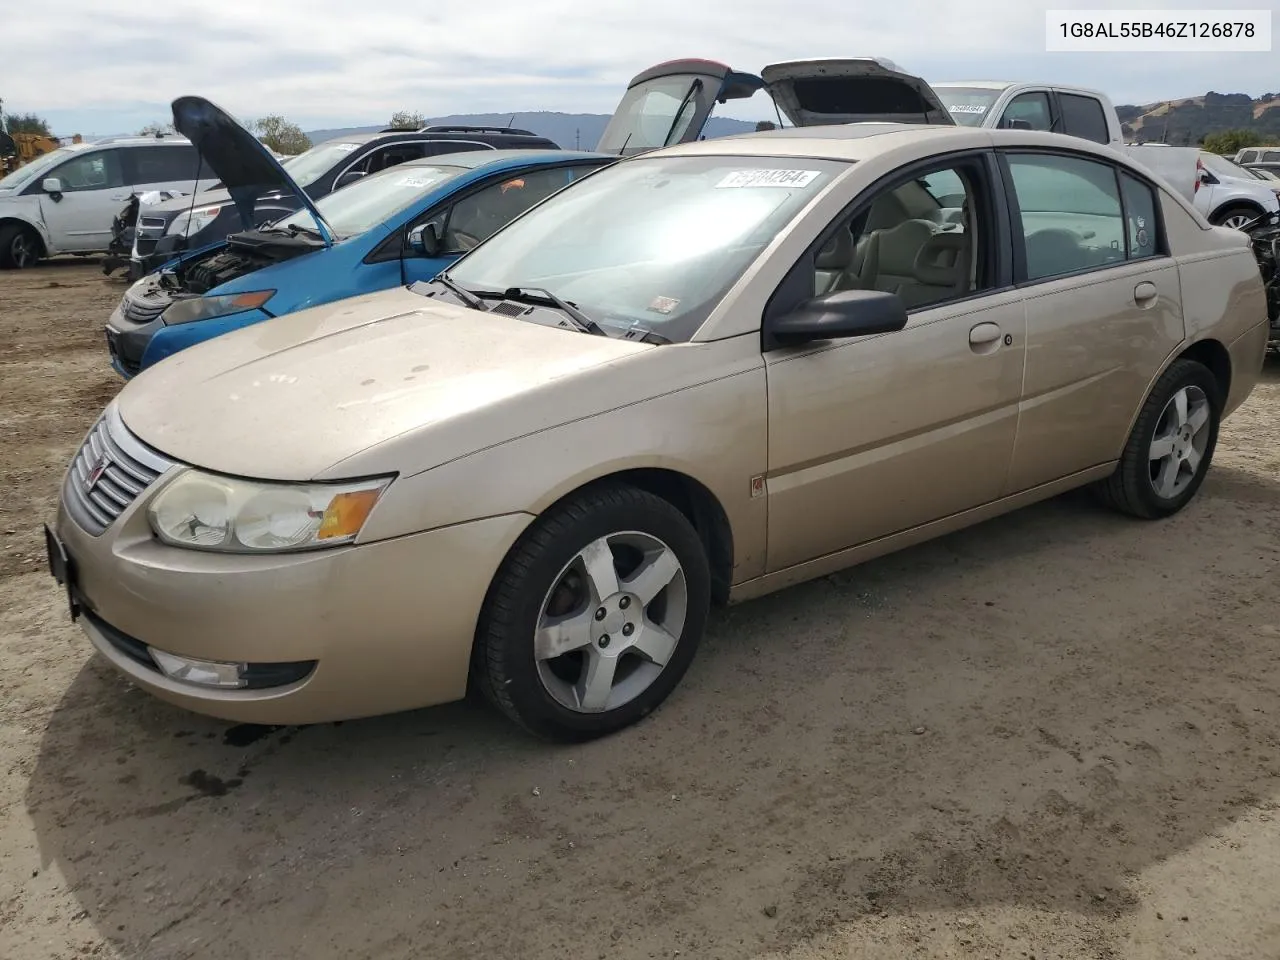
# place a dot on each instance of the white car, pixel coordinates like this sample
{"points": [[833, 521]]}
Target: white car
{"points": [[65, 200]]}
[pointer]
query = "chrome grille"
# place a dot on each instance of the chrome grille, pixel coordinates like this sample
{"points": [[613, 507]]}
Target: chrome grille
{"points": [[110, 470]]}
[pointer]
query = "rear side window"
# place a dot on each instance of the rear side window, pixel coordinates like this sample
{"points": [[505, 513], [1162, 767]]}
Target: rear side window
{"points": [[1140, 218], [1071, 213], [1271, 156], [1247, 156], [1084, 117], [161, 164]]}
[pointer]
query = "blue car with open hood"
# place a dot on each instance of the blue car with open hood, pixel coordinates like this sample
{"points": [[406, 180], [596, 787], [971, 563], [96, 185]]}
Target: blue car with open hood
{"points": [[394, 227]]}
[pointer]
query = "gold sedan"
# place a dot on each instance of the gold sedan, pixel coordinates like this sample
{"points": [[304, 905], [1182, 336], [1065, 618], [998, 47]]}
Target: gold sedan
{"points": [[697, 376]]}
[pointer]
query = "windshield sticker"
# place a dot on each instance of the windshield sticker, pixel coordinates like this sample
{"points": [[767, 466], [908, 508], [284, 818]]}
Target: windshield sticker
{"points": [[663, 305], [967, 108], [768, 178], [346, 147]]}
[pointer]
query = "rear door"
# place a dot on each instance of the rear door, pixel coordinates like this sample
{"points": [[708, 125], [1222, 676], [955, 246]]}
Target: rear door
{"points": [[174, 168], [855, 90], [1103, 302], [93, 189]]}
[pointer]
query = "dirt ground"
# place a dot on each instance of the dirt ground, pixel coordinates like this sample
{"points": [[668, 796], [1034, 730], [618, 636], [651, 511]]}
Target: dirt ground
{"points": [[1052, 736]]}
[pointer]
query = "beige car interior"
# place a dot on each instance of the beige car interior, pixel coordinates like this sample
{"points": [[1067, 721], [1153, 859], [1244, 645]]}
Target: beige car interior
{"points": [[908, 245]]}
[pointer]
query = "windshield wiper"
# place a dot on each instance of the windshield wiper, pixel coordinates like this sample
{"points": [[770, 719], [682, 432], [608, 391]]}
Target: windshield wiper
{"points": [[540, 295], [461, 292]]}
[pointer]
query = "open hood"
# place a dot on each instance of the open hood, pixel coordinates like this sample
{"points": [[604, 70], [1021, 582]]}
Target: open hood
{"points": [[814, 92], [670, 103], [239, 159]]}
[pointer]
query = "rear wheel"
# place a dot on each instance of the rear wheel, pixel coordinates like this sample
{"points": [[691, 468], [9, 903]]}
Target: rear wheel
{"points": [[595, 615], [1171, 445], [20, 246], [1235, 217]]}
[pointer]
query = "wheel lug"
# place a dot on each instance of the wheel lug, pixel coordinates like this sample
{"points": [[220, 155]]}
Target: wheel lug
{"points": [[624, 603], [628, 629], [601, 614], [603, 641]]}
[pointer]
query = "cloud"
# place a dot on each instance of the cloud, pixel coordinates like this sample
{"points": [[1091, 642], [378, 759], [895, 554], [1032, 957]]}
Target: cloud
{"points": [[329, 62]]}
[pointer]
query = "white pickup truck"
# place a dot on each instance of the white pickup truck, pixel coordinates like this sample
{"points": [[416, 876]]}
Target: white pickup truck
{"points": [[1227, 194]]}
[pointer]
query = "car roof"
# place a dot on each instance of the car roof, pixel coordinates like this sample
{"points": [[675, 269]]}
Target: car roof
{"points": [[480, 136], [863, 141], [171, 140], [481, 158]]}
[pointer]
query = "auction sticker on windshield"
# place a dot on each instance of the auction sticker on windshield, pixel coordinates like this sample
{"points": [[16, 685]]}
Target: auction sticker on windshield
{"points": [[967, 108], [768, 178]]}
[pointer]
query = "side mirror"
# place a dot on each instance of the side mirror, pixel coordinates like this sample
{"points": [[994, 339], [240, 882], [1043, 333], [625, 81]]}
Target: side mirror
{"points": [[351, 176], [835, 316], [1017, 124], [52, 186], [425, 241]]}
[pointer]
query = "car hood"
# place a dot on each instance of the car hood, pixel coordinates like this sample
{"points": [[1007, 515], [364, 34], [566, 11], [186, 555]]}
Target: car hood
{"points": [[293, 398], [238, 158], [826, 91]]}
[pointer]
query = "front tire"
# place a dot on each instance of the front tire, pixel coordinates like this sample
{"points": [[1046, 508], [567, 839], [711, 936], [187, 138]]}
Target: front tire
{"points": [[594, 616], [20, 246], [1171, 446]]}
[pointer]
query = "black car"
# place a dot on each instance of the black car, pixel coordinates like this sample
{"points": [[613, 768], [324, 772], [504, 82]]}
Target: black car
{"points": [[163, 230]]}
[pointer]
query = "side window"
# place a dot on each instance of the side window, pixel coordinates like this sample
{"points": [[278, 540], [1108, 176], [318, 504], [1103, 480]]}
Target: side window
{"points": [[1142, 227], [1270, 156], [161, 164], [477, 217], [1071, 214], [925, 260], [99, 170], [1031, 108], [437, 147], [392, 155], [1247, 156], [1084, 117]]}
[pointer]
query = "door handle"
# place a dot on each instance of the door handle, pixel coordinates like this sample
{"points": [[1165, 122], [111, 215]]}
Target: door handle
{"points": [[1144, 292], [984, 338]]}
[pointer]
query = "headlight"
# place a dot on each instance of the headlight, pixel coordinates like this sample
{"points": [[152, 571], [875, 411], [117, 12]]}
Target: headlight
{"points": [[206, 308], [192, 221], [208, 512]]}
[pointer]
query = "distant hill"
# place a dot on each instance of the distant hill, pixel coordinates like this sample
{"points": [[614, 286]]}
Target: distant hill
{"points": [[1190, 120], [571, 131]]}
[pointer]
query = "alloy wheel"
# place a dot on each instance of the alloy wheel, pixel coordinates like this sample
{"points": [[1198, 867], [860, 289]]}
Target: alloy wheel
{"points": [[1180, 441]]}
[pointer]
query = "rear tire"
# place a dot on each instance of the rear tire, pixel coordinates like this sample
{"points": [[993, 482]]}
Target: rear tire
{"points": [[20, 246], [1235, 217], [1171, 446], [594, 616]]}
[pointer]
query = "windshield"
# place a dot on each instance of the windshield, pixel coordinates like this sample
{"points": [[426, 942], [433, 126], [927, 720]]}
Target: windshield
{"points": [[968, 106], [372, 199], [1222, 167], [28, 172], [1262, 173], [652, 243], [645, 117], [308, 167]]}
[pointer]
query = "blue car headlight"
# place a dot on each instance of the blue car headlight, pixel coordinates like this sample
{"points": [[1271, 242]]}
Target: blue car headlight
{"points": [[206, 308]]}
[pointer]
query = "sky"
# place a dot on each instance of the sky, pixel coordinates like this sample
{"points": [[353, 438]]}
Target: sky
{"points": [[98, 67]]}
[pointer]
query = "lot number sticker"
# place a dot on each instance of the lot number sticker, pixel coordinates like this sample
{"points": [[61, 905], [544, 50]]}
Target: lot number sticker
{"points": [[768, 178], [968, 108]]}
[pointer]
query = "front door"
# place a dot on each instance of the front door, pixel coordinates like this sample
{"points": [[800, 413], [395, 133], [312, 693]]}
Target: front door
{"points": [[93, 190], [871, 436], [1103, 309]]}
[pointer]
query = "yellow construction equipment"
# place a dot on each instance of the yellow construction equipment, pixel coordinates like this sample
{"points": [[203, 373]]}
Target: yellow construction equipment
{"points": [[19, 148]]}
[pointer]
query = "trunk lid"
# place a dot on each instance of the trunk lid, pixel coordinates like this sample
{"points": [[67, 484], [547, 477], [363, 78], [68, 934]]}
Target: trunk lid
{"points": [[240, 160], [854, 90]]}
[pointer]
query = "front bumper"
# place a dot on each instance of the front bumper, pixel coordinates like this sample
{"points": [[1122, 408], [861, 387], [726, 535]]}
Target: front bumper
{"points": [[389, 625]]}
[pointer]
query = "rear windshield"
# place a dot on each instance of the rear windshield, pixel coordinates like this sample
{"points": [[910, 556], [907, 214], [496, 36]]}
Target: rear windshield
{"points": [[658, 112], [968, 106]]}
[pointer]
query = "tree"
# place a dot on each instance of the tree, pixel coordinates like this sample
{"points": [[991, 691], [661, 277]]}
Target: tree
{"points": [[766, 125], [154, 127], [29, 123], [1229, 141], [281, 135], [407, 120]]}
